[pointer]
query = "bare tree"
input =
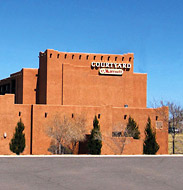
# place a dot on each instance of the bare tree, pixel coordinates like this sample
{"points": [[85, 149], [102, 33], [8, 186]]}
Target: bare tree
{"points": [[119, 139], [175, 112], [77, 130], [123, 138], [65, 133], [175, 119]]}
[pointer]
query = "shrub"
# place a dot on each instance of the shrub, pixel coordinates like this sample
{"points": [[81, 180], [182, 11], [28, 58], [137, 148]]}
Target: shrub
{"points": [[17, 143]]}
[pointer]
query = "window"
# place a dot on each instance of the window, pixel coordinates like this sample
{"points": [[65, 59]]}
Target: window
{"points": [[79, 56], [156, 118], [98, 116], [122, 58], [72, 115], [125, 116], [72, 56], [46, 114], [159, 124], [125, 105], [58, 56], [116, 134], [94, 57], [65, 56], [108, 58], [130, 59], [87, 57], [19, 114], [50, 55], [115, 58], [101, 58]]}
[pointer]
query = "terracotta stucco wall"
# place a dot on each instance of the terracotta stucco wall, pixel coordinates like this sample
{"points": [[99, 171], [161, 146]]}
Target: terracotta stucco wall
{"points": [[109, 117], [29, 85], [42, 79], [141, 116], [83, 86], [69, 77], [9, 116]]}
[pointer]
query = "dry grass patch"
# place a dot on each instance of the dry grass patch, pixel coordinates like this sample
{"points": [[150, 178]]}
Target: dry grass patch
{"points": [[178, 144]]}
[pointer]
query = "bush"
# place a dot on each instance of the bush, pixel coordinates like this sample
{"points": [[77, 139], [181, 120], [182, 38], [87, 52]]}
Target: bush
{"points": [[132, 129], [150, 144], [17, 143], [95, 139]]}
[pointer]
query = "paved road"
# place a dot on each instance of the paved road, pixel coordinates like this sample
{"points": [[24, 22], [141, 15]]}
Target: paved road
{"points": [[161, 173]]}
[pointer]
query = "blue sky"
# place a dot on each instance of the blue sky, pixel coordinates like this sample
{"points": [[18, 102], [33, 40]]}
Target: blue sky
{"points": [[152, 30]]}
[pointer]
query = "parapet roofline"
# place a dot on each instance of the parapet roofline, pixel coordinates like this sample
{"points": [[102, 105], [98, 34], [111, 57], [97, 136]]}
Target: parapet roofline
{"points": [[15, 74], [12, 75], [85, 52], [29, 68], [140, 73]]}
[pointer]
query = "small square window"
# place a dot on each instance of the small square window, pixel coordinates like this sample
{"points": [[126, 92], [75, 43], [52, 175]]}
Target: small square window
{"points": [[125, 105], [116, 134], [159, 125]]}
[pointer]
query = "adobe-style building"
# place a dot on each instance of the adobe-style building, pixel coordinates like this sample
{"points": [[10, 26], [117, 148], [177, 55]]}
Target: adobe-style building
{"points": [[78, 83]]}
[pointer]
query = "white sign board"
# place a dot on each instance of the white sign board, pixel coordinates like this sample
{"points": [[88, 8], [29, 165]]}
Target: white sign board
{"points": [[111, 71]]}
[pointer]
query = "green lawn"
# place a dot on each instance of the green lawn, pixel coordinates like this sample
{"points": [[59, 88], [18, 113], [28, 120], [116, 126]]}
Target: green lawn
{"points": [[178, 144]]}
